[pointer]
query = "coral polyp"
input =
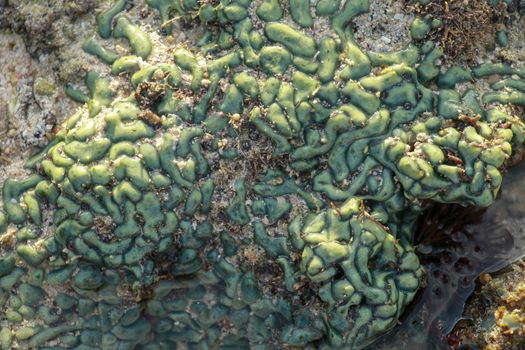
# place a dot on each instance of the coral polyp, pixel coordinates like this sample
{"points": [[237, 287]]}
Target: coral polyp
{"points": [[257, 187]]}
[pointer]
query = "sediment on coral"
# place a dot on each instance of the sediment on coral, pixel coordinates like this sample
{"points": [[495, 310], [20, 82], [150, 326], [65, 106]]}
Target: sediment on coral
{"points": [[128, 234]]}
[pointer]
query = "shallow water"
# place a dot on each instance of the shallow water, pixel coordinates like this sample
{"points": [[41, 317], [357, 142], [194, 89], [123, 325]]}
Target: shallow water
{"points": [[456, 245]]}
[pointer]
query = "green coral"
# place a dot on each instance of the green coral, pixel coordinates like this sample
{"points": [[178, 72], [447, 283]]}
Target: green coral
{"points": [[130, 235]]}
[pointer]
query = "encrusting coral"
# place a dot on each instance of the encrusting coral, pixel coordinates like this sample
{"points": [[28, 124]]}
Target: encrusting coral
{"points": [[314, 250]]}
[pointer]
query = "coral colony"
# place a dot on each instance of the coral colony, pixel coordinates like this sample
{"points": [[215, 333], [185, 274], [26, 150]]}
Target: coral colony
{"points": [[258, 188]]}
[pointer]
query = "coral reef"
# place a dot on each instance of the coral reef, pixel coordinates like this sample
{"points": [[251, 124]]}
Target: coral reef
{"points": [[462, 27], [456, 245], [257, 187], [493, 317]]}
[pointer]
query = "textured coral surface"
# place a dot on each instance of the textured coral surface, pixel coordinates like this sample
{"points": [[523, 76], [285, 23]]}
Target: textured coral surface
{"points": [[256, 187]]}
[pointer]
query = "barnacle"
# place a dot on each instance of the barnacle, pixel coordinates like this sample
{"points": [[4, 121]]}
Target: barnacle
{"points": [[159, 229]]}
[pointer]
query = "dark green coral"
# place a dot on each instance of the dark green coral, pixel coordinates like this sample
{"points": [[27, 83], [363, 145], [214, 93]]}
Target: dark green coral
{"points": [[308, 240]]}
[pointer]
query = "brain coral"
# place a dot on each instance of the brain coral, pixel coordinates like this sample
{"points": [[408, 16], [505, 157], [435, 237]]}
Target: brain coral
{"points": [[259, 188]]}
